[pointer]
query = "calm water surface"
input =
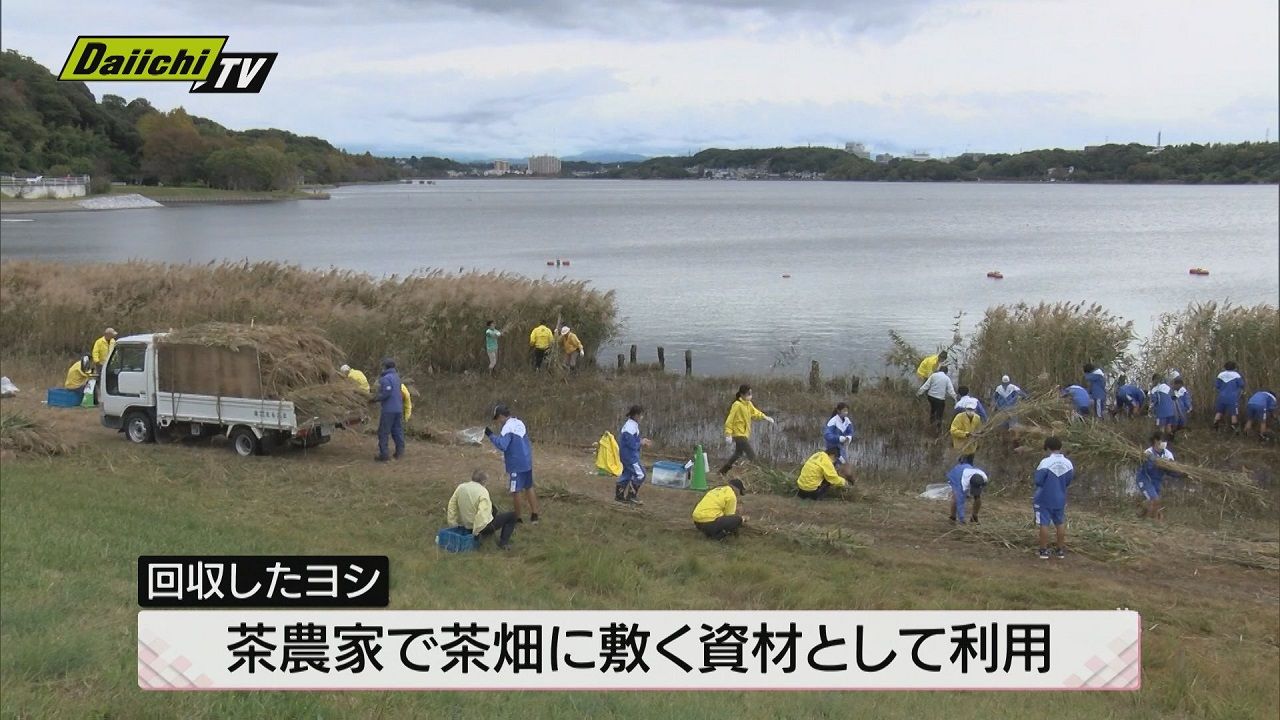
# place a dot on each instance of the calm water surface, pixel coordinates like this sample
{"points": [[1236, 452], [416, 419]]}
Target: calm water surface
{"points": [[700, 265]]}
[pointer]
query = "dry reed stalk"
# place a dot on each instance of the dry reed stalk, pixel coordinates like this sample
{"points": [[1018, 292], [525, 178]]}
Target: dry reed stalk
{"points": [[24, 435]]}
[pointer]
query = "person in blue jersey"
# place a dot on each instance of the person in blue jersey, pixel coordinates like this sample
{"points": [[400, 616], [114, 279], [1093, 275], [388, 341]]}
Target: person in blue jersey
{"points": [[629, 444], [1080, 400], [391, 418], [1260, 409], [512, 440], [1230, 386], [966, 481], [1162, 404], [1096, 382], [1181, 404], [1053, 477], [1007, 394], [838, 434], [1151, 476], [965, 401], [1130, 398]]}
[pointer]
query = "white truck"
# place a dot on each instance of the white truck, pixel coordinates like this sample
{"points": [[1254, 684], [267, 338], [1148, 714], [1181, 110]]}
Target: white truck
{"points": [[193, 391]]}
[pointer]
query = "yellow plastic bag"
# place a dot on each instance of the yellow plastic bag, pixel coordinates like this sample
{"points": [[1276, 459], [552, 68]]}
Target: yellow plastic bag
{"points": [[608, 460]]}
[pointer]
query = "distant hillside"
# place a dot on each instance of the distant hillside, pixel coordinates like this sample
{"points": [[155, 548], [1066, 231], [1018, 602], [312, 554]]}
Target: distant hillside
{"points": [[49, 127], [605, 156], [1193, 163]]}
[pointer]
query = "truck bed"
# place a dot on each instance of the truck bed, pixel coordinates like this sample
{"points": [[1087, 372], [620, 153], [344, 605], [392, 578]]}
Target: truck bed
{"points": [[226, 410]]}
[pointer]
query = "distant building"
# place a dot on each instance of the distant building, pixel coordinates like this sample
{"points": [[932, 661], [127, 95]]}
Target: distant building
{"points": [[918, 156], [883, 158], [857, 148], [544, 165], [501, 167]]}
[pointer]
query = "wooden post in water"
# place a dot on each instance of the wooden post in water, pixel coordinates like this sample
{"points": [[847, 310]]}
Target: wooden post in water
{"points": [[854, 383], [815, 375], [621, 360], [688, 362], [633, 354], [662, 358]]}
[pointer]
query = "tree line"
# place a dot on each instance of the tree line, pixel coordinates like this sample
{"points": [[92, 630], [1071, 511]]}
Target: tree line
{"points": [[58, 128]]}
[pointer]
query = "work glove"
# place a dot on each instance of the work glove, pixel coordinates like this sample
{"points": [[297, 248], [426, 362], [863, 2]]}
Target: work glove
{"points": [[770, 420], [728, 440], [488, 432]]}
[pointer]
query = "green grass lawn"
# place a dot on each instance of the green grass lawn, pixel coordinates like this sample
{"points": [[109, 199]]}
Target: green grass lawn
{"points": [[73, 527]]}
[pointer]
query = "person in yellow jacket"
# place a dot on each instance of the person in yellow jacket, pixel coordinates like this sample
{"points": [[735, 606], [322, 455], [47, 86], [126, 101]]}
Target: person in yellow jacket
{"points": [[540, 340], [716, 514], [408, 401], [929, 365], [355, 376], [963, 425], [79, 374], [737, 427], [818, 475], [571, 346], [102, 348]]}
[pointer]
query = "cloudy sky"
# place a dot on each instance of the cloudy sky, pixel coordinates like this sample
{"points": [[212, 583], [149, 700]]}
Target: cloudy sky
{"points": [[514, 77]]}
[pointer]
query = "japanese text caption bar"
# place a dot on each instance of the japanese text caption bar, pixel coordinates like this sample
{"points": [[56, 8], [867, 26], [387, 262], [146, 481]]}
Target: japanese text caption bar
{"points": [[638, 650]]}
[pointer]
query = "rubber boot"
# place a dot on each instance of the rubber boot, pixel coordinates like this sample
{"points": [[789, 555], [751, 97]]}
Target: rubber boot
{"points": [[633, 493], [620, 492]]}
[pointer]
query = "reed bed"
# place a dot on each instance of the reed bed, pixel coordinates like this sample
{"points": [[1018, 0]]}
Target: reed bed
{"points": [[1198, 340], [21, 434], [430, 321]]}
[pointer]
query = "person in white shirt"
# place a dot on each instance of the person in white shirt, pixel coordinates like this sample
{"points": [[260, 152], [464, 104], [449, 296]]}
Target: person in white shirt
{"points": [[937, 389]]}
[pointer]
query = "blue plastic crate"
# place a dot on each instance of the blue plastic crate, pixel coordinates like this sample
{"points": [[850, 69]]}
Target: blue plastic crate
{"points": [[62, 397], [456, 539]]}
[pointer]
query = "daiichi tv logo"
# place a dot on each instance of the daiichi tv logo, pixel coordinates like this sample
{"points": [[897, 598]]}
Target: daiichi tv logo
{"points": [[198, 59]]}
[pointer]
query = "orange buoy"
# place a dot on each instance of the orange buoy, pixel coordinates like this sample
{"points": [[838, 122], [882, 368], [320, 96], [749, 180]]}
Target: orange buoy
{"points": [[995, 275]]}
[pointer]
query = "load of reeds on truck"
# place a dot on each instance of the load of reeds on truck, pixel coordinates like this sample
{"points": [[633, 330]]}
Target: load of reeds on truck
{"points": [[262, 387]]}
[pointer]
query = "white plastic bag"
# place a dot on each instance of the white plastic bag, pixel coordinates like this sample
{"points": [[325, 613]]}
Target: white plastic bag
{"points": [[937, 491], [7, 388], [472, 436]]}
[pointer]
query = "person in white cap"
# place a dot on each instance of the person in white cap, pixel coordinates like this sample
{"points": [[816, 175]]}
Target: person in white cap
{"points": [[1006, 396], [354, 376], [571, 346]]}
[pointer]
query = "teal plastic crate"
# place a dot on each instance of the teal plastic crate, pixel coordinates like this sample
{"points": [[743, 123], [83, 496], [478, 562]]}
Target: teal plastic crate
{"points": [[456, 539]]}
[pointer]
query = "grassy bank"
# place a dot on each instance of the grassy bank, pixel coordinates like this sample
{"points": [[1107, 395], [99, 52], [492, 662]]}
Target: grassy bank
{"points": [[179, 195], [73, 527]]}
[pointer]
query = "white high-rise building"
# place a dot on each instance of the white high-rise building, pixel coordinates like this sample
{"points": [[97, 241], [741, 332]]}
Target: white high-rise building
{"points": [[544, 165]]}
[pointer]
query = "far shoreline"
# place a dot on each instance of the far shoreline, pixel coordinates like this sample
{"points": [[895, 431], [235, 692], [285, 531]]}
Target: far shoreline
{"points": [[166, 196]]}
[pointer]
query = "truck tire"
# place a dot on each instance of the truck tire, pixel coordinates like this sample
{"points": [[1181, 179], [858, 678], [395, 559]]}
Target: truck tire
{"points": [[139, 427], [244, 442]]}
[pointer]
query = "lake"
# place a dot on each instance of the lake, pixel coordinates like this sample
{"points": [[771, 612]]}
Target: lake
{"points": [[701, 264]]}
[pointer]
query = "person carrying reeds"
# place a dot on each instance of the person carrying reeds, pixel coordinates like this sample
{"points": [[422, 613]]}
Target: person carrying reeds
{"points": [[929, 365], [354, 376], [1260, 408], [391, 419], [1150, 476], [512, 440], [966, 481], [838, 434], [737, 427], [572, 348], [937, 388], [716, 514], [629, 443], [1230, 386], [818, 475], [1049, 504], [471, 507], [1130, 398], [540, 339], [1096, 382], [1162, 404], [963, 426], [1006, 396]]}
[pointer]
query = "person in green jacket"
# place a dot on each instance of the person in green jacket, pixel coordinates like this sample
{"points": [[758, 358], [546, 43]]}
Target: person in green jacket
{"points": [[491, 335]]}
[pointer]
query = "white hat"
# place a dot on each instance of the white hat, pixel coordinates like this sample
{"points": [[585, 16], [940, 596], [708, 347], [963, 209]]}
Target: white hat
{"points": [[564, 330], [344, 369], [1004, 378]]}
